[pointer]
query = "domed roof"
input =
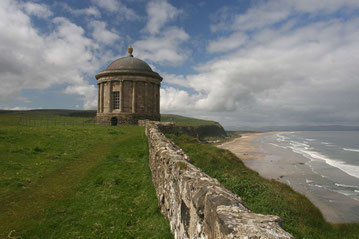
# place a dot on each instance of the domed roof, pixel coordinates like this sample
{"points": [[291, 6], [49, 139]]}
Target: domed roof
{"points": [[129, 63]]}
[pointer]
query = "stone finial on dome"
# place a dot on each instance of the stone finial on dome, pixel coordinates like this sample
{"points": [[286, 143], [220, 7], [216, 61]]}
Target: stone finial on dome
{"points": [[130, 50]]}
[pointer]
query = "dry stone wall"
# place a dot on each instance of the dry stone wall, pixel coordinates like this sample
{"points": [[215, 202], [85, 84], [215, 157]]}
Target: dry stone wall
{"points": [[196, 205]]}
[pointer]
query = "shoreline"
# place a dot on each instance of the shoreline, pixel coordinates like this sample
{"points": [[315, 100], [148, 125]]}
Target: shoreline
{"points": [[287, 167], [243, 146]]}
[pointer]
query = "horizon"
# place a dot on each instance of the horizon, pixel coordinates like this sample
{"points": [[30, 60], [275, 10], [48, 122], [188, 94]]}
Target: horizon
{"points": [[254, 63], [333, 127]]}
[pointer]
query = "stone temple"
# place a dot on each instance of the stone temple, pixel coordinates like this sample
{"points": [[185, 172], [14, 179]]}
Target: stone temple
{"points": [[128, 91]]}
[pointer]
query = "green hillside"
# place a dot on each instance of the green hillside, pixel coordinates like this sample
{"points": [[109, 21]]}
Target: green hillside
{"points": [[83, 181], [186, 121], [205, 130]]}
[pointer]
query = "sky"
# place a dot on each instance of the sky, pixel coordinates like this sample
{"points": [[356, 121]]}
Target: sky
{"points": [[239, 62]]}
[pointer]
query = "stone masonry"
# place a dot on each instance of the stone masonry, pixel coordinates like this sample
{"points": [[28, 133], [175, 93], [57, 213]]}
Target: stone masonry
{"points": [[196, 205]]}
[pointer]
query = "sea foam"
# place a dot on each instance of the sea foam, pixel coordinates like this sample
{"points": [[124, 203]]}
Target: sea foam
{"points": [[346, 186], [302, 149], [352, 150]]}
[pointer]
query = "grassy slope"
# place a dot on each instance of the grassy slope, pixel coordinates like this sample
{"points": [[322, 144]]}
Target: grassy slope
{"points": [[76, 182], [186, 121], [300, 217]]}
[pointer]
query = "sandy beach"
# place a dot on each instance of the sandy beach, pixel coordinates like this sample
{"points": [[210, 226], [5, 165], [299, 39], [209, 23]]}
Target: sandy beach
{"points": [[244, 147], [291, 168]]}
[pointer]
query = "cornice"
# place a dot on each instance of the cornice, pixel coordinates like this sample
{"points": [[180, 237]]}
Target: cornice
{"points": [[107, 73]]}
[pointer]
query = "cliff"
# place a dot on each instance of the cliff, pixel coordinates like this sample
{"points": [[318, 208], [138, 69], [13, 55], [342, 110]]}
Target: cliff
{"points": [[197, 128]]}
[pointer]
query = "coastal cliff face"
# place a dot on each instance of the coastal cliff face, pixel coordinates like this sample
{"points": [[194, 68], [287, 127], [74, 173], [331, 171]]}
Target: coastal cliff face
{"points": [[197, 205], [200, 132]]}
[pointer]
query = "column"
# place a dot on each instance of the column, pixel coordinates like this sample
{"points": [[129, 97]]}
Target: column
{"points": [[154, 99], [133, 96], [121, 96], [109, 91], [98, 98], [158, 98], [145, 102], [101, 97]]}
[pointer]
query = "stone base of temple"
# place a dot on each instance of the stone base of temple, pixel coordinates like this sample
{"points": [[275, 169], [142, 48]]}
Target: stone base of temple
{"points": [[115, 119]]}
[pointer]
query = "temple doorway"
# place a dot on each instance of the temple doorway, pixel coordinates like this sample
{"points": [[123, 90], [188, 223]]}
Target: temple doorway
{"points": [[113, 121]]}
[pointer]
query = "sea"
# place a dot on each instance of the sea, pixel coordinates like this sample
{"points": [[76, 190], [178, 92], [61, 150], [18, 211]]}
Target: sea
{"points": [[338, 150], [323, 165]]}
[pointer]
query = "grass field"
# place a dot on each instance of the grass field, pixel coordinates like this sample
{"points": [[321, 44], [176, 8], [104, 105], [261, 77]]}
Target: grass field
{"points": [[76, 182], [300, 217]]}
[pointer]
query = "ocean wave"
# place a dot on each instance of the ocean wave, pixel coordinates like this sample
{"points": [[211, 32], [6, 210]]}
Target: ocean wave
{"points": [[314, 171], [316, 185], [311, 140], [308, 181], [281, 138], [326, 143], [346, 186], [350, 194], [352, 150], [298, 144], [352, 170], [277, 145], [357, 191], [346, 193]]}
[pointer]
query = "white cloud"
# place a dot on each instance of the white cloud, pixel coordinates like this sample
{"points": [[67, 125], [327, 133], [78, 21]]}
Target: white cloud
{"points": [[175, 100], [286, 73], [163, 49], [322, 7], [101, 34], [31, 60], [118, 8], [179, 80], [264, 14], [109, 5], [225, 44], [306, 75], [18, 108], [159, 13], [162, 44], [36, 9], [68, 48], [261, 16], [89, 11], [88, 92]]}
